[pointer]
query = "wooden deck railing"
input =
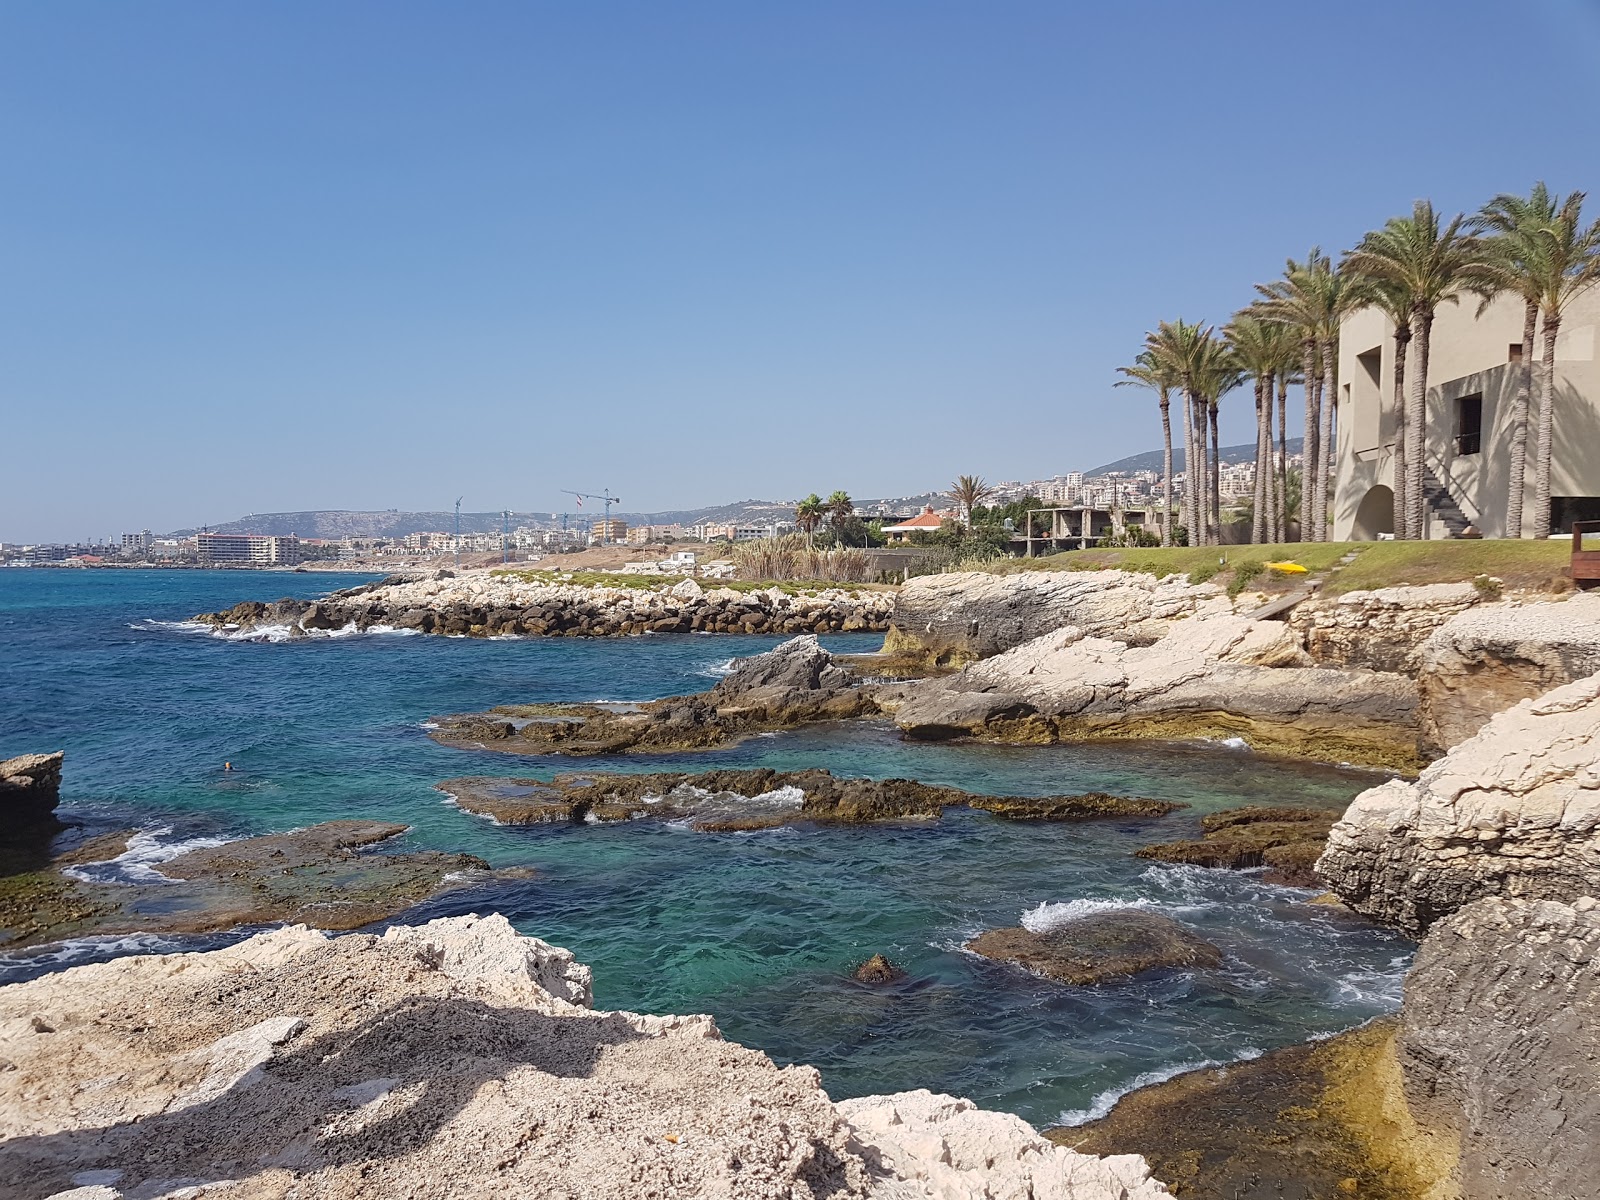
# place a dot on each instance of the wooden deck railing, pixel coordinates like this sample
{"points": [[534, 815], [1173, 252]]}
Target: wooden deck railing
{"points": [[1586, 553]]}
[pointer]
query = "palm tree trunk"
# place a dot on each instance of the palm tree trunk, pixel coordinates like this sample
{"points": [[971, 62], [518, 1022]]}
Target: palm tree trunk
{"points": [[1330, 405], [1308, 448], [1416, 423], [1281, 533], [1519, 423], [1402, 515], [1547, 404], [1214, 476], [1258, 517], [1187, 517], [1166, 467]]}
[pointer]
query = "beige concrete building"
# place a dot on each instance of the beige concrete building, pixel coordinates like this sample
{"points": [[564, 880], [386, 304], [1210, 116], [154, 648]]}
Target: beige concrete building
{"points": [[1472, 382]]}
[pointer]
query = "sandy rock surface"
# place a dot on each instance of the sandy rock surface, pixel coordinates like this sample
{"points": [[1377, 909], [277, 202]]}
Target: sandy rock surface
{"points": [[965, 615], [1486, 659], [942, 1148], [454, 1059], [1499, 1045], [1512, 811]]}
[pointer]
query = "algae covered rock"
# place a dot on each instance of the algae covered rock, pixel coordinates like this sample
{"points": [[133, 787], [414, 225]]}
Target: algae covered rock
{"points": [[1099, 949], [878, 970], [1285, 839]]}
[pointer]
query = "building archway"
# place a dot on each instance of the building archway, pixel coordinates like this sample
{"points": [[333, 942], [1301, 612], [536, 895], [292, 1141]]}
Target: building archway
{"points": [[1375, 515]]}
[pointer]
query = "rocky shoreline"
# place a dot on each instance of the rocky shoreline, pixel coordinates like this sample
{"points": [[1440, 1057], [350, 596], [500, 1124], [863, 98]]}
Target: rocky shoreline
{"points": [[497, 603]]}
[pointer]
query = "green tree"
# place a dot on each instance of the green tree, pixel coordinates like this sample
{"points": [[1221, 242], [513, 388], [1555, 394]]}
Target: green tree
{"points": [[1436, 265], [969, 491], [1149, 371], [808, 515], [1178, 349], [1257, 346], [839, 507]]}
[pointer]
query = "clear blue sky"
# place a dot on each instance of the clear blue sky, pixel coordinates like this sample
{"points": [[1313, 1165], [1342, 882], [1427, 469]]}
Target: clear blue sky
{"points": [[257, 257]]}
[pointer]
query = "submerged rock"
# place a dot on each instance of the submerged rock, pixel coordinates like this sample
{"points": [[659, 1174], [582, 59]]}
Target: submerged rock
{"points": [[759, 798], [1286, 840], [1512, 811], [878, 970], [455, 1060], [1101, 948]]}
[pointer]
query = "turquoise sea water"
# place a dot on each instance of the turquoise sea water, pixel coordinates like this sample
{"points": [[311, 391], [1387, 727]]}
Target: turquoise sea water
{"points": [[759, 929]]}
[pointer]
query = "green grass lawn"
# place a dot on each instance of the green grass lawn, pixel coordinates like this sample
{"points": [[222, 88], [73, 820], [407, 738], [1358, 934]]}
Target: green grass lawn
{"points": [[1521, 565], [615, 579]]}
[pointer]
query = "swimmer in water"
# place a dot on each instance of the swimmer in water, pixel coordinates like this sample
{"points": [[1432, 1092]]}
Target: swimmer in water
{"points": [[227, 766]]}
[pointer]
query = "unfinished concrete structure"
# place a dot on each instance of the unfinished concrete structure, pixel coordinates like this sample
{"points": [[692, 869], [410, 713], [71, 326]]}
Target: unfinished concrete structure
{"points": [[1472, 382]]}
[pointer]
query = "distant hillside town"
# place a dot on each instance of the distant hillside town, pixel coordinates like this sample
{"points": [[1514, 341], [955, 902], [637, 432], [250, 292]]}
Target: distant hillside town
{"points": [[277, 540]]}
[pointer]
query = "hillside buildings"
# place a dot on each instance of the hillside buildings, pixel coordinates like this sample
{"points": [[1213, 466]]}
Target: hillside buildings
{"points": [[1472, 382]]}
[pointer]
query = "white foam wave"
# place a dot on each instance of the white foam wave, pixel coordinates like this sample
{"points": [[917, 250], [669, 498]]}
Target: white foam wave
{"points": [[100, 945], [1384, 987], [718, 670], [1107, 1100], [137, 864], [269, 633], [1047, 916], [788, 796]]}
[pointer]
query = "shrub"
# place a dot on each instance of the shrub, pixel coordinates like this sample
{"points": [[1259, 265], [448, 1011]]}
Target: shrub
{"points": [[1243, 573], [789, 557]]}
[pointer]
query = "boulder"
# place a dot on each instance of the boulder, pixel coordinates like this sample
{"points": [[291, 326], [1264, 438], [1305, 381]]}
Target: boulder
{"points": [[1500, 1049], [1513, 811], [1485, 660], [1098, 949], [878, 970], [30, 788]]}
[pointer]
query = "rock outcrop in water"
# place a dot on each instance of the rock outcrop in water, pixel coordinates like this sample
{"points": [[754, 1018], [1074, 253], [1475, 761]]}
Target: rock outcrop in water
{"points": [[1513, 811], [960, 617], [453, 1060], [1485, 660], [332, 875], [1286, 840], [30, 789], [761, 798], [796, 683], [1215, 677], [1099, 948], [494, 603]]}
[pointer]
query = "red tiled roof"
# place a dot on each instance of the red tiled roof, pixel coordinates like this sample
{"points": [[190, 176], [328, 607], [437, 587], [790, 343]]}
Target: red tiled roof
{"points": [[926, 519]]}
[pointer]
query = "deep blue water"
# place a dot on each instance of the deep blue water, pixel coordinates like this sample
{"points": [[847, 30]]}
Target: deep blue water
{"points": [[759, 929]]}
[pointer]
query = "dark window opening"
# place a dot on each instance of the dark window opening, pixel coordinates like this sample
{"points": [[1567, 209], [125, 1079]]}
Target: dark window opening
{"points": [[1469, 424], [1514, 352], [1372, 363]]}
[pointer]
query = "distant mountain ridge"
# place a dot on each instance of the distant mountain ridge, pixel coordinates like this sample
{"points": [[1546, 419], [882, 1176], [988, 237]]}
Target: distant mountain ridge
{"points": [[1151, 460], [394, 523]]}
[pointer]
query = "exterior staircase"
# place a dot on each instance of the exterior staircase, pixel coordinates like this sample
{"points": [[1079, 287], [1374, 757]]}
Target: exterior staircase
{"points": [[1436, 495]]}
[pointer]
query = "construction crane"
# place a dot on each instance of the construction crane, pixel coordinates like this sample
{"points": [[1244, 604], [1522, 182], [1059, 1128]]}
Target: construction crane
{"points": [[459, 499], [606, 497]]}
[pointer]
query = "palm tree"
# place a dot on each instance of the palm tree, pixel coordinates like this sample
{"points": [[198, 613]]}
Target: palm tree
{"points": [[1568, 259], [1394, 301], [1435, 265], [839, 507], [1514, 223], [1216, 374], [1149, 371], [1255, 344], [808, 515], [969, 491], [1296, 302], [1180, 349]]}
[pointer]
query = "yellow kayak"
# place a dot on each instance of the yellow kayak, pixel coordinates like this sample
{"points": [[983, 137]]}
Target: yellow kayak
{"points": [[1286, 568]]}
